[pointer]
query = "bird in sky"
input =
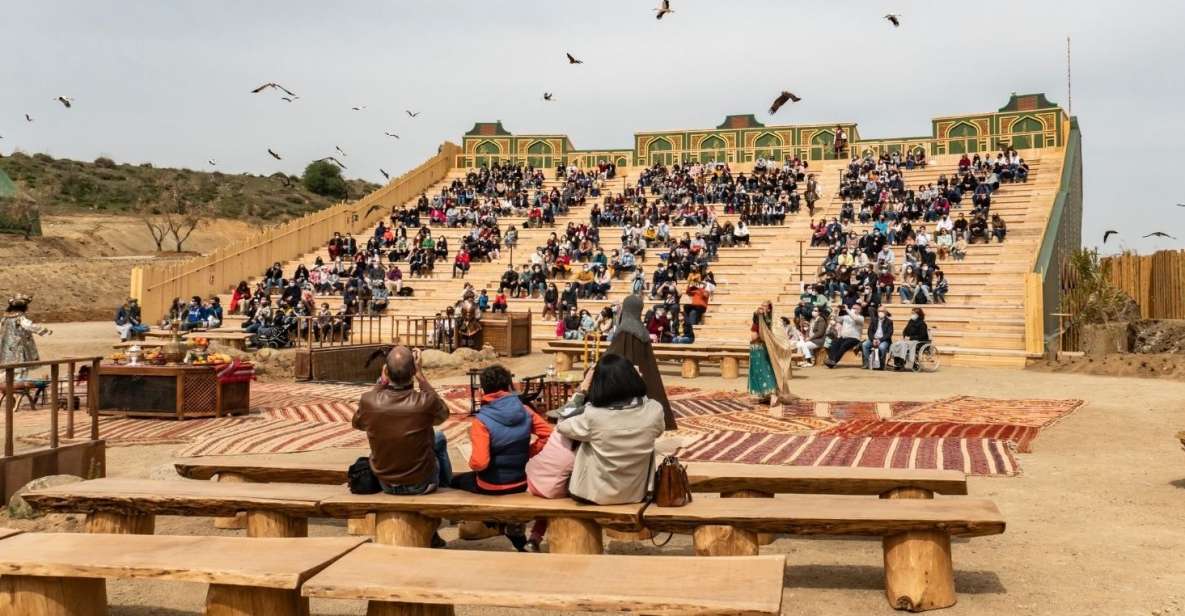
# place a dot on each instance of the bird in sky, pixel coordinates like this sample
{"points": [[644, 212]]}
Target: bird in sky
{"points": [[283, 178], [1108, 233], [289, 99], [332, 160], [340, 150], [411, 114], [272, 84], [384, 172], [65, 101], [663, 9], [572, 59], [28, 118], [1181, 205], [390, 134], [212, 163], [781, 100], [895, 19], [1160, 234], [547, 96], [274, 155], [358, 108]]}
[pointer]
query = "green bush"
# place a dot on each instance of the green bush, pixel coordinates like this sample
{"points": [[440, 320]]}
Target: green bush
{"points": [[325, 179], [104, 162]]}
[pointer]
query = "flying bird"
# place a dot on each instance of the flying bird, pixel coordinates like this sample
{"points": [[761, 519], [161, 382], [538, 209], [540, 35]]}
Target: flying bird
{"points": [[1181, 205], [272, 84], [1108, 233], [65, 101], [274, 155], [895, 19], [358, 108], [28, 118], [339, 150], [370, 211], [384, 172], [1160, 234], [410, 114], [289, 99], [283, 178], [212, 163], [781, 100], [664, 9], [547, 96], [332, 160], [572, 59], [390, 134]]}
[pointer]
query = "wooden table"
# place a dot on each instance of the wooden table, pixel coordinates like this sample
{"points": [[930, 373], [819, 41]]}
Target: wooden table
{"points": [[173, 391]]}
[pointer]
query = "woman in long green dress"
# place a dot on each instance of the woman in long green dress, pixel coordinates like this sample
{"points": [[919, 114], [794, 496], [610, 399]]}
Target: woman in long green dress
{"points": [[770, 355]]}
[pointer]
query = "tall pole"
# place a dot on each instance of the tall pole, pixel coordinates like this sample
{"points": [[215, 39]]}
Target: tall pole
{"points": [[1069, 90]]}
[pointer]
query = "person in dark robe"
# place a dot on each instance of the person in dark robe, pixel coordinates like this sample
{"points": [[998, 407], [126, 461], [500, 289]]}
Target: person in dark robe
{"points": [[632, 341]]}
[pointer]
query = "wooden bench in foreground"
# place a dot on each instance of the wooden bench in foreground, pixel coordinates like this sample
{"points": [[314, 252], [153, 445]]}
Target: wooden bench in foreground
{"points": [[64, 574], [401, 581], [919, 574], [129, 506]]}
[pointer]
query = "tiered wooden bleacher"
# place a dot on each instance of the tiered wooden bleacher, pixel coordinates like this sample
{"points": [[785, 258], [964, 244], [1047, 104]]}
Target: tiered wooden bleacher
{"points": [[568, 353]]}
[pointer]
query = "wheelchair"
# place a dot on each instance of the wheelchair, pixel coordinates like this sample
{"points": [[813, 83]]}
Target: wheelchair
{"points": [[925, 359]]}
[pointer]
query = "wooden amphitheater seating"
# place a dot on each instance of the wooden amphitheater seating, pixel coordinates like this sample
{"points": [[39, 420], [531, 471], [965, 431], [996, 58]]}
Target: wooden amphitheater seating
{"points": [[405, 581], [916, 531], [65, 574], [729, 356], [129, 506]]}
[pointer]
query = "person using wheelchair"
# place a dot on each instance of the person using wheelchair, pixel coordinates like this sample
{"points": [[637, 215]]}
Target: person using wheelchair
{"points": [[904, 353]]}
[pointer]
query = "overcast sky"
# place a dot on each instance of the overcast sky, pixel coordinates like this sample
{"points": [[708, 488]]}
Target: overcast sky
{"points": [[168, 81]]}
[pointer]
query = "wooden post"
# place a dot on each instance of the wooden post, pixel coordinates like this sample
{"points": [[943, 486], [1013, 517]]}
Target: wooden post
{"points": [[404, 528], [239, 520], [720, 540], [363, 526], [575, 536], [52, 596], [53, 406], [9, 407], [919, 574], [730, 367], [120, 523], [762, 538], [563, 362], [225, 600], [392, 608], [276, 524], [70, 406], [690, 368], [92, 398]]}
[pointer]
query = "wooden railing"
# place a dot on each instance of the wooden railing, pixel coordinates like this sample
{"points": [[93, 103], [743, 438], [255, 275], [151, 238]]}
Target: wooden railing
{"points": [[1155, 281], [11, 396], [417, 332], [156, 286]]}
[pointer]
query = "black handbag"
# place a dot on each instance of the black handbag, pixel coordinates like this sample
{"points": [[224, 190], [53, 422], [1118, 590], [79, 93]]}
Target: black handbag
{"points": [[361, 479]]}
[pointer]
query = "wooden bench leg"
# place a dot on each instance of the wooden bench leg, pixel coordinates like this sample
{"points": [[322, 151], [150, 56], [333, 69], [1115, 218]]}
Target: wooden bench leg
{"points": [[629, 535], [225, 600], [363, 527], [393, 608], [919, 573], [404, 528], [762, 538], [117, 523], [575, 536], [239, 520], [24, 595], [720, 540], [563, 362], [276, 524], [730, 367], [690, 368]]}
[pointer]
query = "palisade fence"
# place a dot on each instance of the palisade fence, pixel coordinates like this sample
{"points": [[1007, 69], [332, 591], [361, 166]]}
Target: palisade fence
{"points": [[155, 286], [1155, 281], [1063, 236]]}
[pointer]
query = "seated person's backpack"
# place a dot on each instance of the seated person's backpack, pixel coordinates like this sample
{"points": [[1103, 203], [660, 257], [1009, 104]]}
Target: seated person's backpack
{"points": [[360, 478]]}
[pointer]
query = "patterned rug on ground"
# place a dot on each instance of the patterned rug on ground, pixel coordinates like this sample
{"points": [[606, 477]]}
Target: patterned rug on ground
{"points": [[755, 421], [1038, 413], [974, 456], [1020, 436]]}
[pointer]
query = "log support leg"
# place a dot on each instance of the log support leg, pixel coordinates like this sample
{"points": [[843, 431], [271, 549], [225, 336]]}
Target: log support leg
{"points": [[361, 527], [575, 536], [476, 530], [718, 540], [919, 573], [404, 528], [22, 595], [276, 524], [119, 523], [239, 520], [393, 608], [224, 600], [762, 538], [563, 362], [690, 368], [629, 535], [730, 367]]}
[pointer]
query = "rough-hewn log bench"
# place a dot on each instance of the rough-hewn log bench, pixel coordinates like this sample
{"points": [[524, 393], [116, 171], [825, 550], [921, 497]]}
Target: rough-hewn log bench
{"points": [[245, 469], [65, 574], [129, 506], [916, 532], [9, 532], [411, 520], [400, 581]]}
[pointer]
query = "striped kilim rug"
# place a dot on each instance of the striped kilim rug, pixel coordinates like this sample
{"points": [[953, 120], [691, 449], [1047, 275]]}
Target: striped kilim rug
{"points": [[755, 421], [975, 456], [1038, 413], [1021, 436], [696, 407], [282, 436]]}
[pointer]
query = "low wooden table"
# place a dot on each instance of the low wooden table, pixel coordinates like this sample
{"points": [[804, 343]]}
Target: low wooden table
{"points": [[174, 391]]}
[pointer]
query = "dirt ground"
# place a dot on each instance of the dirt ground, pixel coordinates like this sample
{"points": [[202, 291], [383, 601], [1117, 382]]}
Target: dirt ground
{"points": [[1096, 523], [81, 268]]}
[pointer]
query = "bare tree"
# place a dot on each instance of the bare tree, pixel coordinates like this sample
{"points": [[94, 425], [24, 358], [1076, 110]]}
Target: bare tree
{"points": [[182, 216]]}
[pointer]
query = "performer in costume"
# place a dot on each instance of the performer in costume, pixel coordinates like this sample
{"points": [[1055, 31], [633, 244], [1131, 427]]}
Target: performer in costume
{"points": [[16, 335], [632, 341], [770, 355], [469, 324]]}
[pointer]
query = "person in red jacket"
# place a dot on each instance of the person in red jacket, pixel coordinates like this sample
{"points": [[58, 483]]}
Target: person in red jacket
{"points": [[461, 262]]}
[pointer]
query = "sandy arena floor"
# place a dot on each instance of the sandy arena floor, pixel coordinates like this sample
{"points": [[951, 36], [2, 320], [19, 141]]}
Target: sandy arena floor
{"points": [[1096, 523]]}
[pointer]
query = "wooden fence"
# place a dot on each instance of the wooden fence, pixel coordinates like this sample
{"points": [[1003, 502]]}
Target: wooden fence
{"points": [[1156, 281], [155, 286]]}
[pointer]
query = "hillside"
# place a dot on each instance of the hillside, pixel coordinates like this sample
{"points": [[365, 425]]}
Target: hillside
{"points": [[61, 186]]}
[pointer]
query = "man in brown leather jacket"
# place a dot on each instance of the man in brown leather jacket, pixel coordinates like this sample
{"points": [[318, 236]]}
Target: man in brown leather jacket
{"points": [[406, 454]]}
